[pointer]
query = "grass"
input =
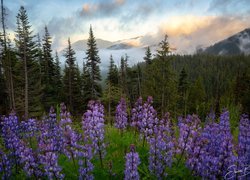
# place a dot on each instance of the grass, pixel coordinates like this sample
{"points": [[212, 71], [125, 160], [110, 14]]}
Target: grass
{"points": [[117, 145]]}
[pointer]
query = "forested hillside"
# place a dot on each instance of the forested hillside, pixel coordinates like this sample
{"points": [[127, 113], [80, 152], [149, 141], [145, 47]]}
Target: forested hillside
{"points": [[32, 79]]}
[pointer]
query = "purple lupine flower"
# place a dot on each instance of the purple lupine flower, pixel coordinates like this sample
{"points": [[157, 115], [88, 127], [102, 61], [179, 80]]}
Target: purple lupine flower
{"points": [[29, 161], [71, 146], [209, 156], [93, 128], [85, 165], [227, 157], [51, 136], [64, 115], [217, 151], [161, 148], [29, 128], [194, 154], [121, 119], [136, 113], [10, 135], [5, 166], [49, 160], [50, 144], [149, 120], [189, 128], [244, 142], [132, 163]]}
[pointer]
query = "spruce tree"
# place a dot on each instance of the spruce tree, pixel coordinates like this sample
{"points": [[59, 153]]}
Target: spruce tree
{"points": [[48, 72], [72, 80], [148, 56], [123, 75], [113, 75], [28, 67], [6, 64], [196, 97], [92, 64], [3, 88], [160, 79], [86, 86], [58, 80], [112, 90], [182, 90]]}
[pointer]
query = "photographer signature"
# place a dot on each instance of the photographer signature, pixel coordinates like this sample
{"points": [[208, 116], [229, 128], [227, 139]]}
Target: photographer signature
{"points": [[233, 172]]}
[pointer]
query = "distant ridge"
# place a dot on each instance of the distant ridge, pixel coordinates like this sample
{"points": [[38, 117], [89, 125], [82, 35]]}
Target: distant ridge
{"points": [[238, 43], [81, 45]]}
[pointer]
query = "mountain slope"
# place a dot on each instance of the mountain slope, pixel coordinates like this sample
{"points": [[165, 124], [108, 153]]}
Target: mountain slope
{"points": [[236, 44], [81, 45]]}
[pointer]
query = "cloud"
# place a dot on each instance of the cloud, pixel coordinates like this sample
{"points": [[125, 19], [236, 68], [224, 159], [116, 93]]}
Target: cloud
{"points": [[100, 9], [186, 33], [62, 28], [230, 6]]}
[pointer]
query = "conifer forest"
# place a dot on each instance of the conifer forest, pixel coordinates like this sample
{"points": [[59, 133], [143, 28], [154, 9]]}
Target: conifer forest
{"points": [[166, 115]]}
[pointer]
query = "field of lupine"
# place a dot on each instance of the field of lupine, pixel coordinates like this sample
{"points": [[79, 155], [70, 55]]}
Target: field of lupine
{"points": [[147, 148]]}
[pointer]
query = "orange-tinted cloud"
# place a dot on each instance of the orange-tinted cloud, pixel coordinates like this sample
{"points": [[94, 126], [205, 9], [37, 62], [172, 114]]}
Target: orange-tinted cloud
{"points": [[187, 32]]}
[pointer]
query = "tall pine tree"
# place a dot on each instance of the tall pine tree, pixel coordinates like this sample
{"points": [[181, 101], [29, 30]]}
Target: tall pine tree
{"points": [[58, 80], [182, 90], [148, 56], [112, 91], [28, 89], [93, 61], [72, 80], [48, 72]]}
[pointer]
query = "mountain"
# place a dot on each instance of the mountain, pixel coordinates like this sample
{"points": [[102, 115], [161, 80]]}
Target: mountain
{"points": [[126, 43], [81, 45], [120, 46], [236, 44]]}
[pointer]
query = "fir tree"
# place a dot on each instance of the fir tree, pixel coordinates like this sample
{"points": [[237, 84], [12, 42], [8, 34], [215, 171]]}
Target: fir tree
{"points": [[26, 51], [148, 56], [93, 61], [196, 97], [123, 75], [48, 72], [111, 93], [58, 79], [86, 86], [6, 64], [182, 90], [113, 75], [72, 82]]}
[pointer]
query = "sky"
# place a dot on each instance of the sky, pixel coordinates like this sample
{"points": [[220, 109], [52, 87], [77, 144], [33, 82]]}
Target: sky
{"points": [[190, 24]]}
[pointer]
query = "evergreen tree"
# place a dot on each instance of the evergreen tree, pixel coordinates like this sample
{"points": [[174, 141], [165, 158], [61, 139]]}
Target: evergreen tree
{"points": [[92, 64], [28, 68], [6, 64], [86, 86], [165, 77], [58, 80], [182, 90], [48, 72], [72, 80], [123, 75], [112, 91], [3, 88], [196, 98], [148, 56], [113, 74]]}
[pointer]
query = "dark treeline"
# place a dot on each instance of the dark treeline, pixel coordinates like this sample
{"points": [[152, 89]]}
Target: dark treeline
{"points": [[31, 78]]}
